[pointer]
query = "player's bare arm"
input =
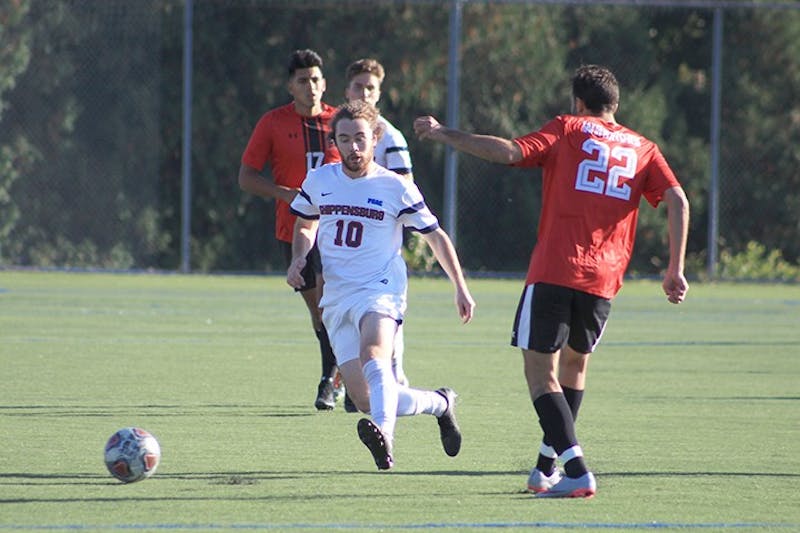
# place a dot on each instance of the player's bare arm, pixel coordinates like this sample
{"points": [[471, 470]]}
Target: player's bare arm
{"points": [[489, 147], [445, 253], [675, 285], [305, 234], [251, 180]]}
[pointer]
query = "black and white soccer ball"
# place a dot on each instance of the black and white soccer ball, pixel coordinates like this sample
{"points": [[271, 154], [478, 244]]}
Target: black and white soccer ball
{"points": [[132, 454]]}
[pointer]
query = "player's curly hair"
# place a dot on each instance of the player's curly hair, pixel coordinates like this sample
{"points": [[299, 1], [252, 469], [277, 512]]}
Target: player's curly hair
{"points": [[355, 110], [597, 87]]}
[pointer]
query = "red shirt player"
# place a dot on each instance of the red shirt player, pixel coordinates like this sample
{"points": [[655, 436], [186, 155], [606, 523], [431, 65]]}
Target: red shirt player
{"points": [[292, 140], [595, 171], [292, 144]]}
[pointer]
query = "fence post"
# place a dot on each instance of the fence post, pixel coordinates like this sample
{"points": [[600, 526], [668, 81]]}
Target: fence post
{"points": [[713, 189], [453, 97], [186, 155]]}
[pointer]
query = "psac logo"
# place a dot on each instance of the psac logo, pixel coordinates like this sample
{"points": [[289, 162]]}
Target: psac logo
{"points": [[373, 201]]}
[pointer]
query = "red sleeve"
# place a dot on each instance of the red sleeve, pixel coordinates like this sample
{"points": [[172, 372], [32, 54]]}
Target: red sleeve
{"points": [[259, 147], [536, 145], [659, 178]]}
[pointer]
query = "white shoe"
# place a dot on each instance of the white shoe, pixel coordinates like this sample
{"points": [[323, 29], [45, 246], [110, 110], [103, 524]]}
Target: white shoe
{"points": [[572, 487], [539, 482]]}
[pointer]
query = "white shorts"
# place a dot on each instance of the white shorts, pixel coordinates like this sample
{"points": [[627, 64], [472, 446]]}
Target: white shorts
{"points": [[342, 319]]}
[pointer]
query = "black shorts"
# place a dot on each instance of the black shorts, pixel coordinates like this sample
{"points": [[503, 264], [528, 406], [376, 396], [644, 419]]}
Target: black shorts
{"points": [[550, 316], [312, 268]]}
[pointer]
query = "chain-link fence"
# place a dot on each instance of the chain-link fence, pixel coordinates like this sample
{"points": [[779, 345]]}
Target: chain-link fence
{"points": [[91, 124], [79, 132]]}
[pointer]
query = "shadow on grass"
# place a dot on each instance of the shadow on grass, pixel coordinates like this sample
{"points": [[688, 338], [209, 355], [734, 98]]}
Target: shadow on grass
{"points": [[221, 477], [748, 475], [150, 410], [116, 492], [787, 342]]}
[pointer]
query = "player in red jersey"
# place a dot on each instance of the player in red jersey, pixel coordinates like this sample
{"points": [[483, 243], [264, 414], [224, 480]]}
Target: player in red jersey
{"points": [[293, 139], [594, 173]]}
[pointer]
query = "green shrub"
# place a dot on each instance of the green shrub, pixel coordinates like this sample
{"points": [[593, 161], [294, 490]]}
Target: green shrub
{"points": [[417, 254], [755, 263]]}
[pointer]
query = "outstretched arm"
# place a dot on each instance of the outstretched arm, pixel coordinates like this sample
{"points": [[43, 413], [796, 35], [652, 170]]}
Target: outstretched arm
{"points": [[446, 255], [489, 147], [305, 234], [675, 284]]}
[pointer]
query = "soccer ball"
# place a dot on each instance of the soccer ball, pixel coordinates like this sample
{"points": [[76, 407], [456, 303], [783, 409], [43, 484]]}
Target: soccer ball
{"points": [[132, 454]]}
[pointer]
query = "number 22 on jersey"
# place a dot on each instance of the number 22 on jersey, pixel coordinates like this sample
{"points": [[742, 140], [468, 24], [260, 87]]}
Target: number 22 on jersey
{"points": [[600, 155]]}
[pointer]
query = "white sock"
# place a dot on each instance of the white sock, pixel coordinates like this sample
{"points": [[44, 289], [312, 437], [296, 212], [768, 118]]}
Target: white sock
{"points": [[397, 356], [415, 401], [382, 395]]}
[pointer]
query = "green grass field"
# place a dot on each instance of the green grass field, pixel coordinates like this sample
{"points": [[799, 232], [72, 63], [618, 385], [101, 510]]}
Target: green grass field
{"points": [[691, 419]]}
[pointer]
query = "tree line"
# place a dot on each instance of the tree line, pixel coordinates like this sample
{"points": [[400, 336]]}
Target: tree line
{"points": [[91, 118]]}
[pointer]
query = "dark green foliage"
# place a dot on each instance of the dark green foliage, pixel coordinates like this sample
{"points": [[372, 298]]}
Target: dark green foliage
{"points": [[91, 119]]}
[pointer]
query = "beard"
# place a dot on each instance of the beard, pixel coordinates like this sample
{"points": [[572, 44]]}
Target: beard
{"points": [[356, 163]]}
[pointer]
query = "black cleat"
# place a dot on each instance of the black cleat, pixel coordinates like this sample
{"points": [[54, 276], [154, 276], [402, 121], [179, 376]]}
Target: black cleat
{"points": [[377, 443], [325, 395], [349, 406], [448, 427]]}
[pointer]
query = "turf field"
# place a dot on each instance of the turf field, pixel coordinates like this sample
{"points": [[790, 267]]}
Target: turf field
{"points": [[691, 420]]}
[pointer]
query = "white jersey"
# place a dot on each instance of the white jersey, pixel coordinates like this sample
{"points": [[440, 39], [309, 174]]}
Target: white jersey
{"points": [[361, 228], [391, 151]]}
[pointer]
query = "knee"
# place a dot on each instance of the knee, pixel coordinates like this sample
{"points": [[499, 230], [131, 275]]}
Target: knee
{"points": [[573, 363], [541, 374]]}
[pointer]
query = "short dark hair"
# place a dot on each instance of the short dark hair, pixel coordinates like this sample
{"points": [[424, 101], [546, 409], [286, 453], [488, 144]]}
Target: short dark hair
{"points": [[303, 59], [597, 87], [355, 110]]}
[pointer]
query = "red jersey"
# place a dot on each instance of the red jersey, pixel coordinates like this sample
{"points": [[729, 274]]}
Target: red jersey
{"points": [[292, 145], [594, 175]]}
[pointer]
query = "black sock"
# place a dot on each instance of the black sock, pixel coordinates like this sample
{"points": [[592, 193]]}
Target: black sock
{"points": [[556, 419], [575, 467], [328, 359], [545, 464], [574, 398]]}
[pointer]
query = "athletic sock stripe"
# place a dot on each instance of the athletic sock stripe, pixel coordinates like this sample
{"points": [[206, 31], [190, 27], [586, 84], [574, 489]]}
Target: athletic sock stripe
{"points": [[548, 451], [571, 453]]}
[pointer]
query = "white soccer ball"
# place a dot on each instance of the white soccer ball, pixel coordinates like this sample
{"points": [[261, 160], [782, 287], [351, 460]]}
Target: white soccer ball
{"points": [[132, 454]]}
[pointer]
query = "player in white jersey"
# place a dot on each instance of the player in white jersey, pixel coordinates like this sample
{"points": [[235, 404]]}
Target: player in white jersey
{"points": [[355, 211], [364, 80], [360, 227], [392, 149]]}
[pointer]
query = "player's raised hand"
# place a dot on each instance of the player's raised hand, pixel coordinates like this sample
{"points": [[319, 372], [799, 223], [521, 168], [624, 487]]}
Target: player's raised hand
{"points": [[426, 127]]}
